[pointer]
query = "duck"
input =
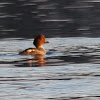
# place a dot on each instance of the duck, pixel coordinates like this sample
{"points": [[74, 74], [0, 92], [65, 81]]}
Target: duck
{"points": [[39, 50]]}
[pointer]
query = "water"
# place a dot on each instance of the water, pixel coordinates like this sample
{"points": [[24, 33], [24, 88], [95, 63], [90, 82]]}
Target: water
{"points": [[27, 18], [71, 68], [69, 71]]}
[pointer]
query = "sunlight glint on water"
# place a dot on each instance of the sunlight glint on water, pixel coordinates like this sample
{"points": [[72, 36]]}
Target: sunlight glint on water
{"points": [[70, 70]]}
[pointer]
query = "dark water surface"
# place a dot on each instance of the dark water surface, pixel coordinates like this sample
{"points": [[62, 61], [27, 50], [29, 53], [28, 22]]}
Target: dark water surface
{"points": [[69, 71], [27, 18]]}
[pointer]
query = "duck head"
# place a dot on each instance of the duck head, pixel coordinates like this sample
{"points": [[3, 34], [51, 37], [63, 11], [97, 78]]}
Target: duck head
{"points": [[40, 40]]}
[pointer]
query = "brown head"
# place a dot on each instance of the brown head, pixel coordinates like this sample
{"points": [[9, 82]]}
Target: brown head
{"points": [[39, 40]]}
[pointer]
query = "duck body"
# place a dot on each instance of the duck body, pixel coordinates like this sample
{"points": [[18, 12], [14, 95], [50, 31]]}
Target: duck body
{"points": [[34, 51], [39, 50]]}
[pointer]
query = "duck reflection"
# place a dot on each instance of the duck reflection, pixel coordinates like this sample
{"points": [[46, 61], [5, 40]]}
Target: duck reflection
{"points": [[32, 61], [37, 60]]}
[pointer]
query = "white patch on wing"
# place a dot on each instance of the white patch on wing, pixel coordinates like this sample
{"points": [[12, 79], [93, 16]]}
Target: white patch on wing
{"points": [[30, 50]]}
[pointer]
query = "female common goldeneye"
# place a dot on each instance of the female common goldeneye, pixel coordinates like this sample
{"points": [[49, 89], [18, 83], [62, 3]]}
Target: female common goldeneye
{"points": [[38, 42]]}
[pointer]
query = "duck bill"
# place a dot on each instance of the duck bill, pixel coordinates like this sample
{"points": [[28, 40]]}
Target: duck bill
{"points": [[46, 41]]}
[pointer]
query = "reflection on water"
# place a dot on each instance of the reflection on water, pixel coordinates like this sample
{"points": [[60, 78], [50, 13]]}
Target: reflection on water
{"points": [[35, 61], [69, 71], [39, 59]]}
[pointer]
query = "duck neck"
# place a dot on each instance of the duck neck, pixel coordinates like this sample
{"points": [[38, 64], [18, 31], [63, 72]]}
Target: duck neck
{"points": [[39, 47]]}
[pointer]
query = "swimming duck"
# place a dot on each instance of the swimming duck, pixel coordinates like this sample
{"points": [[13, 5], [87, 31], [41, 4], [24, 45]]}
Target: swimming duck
{"points": [[38, 42]]}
